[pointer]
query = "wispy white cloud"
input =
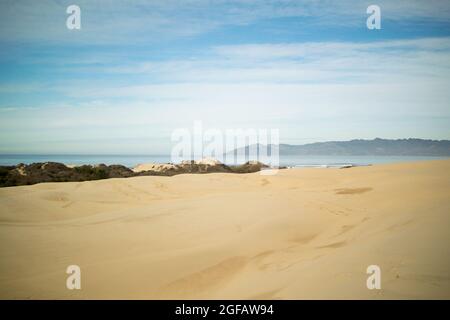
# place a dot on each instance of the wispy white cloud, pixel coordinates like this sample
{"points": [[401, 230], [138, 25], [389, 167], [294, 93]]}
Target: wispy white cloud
{"points": [[415, 60], [140, 21]]}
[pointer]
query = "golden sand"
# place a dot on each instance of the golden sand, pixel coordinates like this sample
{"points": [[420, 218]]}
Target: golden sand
{"points": [[303, 233]]}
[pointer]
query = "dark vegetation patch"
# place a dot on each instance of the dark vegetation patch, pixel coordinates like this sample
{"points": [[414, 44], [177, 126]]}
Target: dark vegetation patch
{"points": [[23, 174]]}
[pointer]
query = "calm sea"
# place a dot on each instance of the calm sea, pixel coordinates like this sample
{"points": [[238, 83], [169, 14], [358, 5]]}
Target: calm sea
{"points": [[133, 160]]}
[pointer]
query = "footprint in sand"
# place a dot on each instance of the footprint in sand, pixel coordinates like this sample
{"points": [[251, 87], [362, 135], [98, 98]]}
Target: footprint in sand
{"points": [[56, 196], [353, 190], [204, 280], [161, 186], [334, 245]]}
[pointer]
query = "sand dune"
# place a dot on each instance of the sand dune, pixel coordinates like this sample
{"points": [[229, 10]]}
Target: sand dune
{"points": [[303, 233]]}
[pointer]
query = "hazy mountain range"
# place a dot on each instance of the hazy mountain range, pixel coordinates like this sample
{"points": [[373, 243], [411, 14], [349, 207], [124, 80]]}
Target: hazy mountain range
{"points": [[375, 147]]}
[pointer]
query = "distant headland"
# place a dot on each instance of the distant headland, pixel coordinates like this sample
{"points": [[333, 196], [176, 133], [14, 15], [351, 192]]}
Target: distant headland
{"points": [[375, 147]]}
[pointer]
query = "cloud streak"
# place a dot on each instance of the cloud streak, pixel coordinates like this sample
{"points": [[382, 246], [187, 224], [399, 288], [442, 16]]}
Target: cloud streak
{"points": [[141, 21]]}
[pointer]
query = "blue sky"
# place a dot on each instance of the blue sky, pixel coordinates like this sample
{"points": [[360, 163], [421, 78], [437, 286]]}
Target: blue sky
{"points": [[137, 70]]}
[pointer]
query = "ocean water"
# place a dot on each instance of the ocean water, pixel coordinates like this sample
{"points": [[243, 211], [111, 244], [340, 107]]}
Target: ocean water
{"points": [[133, 160], [309, 161]]}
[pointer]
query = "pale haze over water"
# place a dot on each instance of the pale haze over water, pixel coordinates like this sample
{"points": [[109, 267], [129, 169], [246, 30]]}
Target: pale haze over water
{"points": [[133, 160]]}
